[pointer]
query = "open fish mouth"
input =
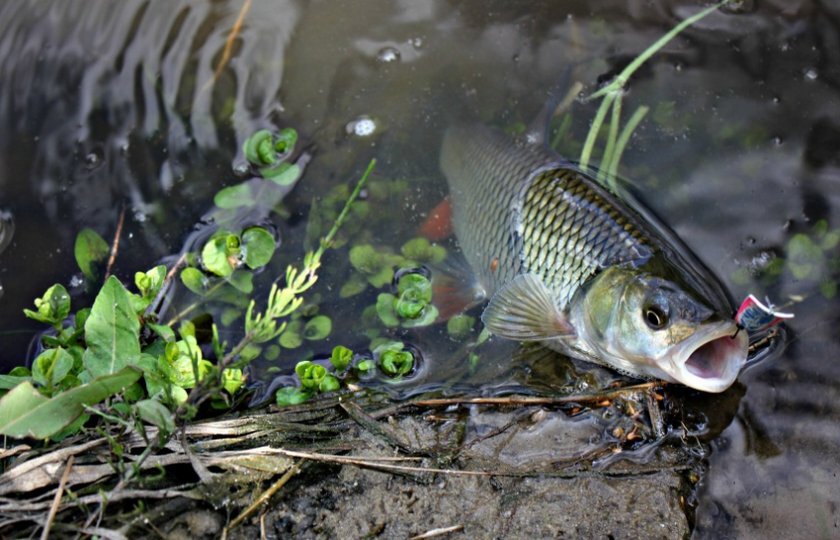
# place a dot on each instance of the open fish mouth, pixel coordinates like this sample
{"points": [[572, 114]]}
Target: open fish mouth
{"points": [[711, 359]]}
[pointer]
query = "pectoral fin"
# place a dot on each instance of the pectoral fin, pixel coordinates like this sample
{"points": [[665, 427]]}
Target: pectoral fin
{"points": [[525, 311]]}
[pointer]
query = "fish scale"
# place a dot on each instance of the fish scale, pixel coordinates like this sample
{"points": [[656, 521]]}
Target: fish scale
{"points": [[518, 208]]}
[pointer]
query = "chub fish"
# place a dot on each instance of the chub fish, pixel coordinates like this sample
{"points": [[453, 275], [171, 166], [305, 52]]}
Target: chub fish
{"points": [[585, 271]]}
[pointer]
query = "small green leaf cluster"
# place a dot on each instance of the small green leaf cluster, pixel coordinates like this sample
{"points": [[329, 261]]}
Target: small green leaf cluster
{"points": [[226, 251], [88, 359], [375, 266], [391, 358], [267, 152], [411, 305]]}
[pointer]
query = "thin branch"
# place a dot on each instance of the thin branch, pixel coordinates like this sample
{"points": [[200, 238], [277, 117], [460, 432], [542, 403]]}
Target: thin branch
{"points": [[266, 495], [231, 39], [57, 499], [115, 245]]}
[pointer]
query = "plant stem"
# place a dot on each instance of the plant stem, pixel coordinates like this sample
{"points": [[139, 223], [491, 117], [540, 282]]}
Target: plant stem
{"points": [[339, 221], [623, 139], [607, 158], [594, 129], [622, 78]]}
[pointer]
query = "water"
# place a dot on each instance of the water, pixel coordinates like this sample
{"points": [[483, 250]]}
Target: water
{"points": [[105, 107]]}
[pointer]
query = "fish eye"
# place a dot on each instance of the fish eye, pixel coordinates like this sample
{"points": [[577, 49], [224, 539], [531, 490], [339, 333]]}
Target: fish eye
{"points": [[655, 317]]}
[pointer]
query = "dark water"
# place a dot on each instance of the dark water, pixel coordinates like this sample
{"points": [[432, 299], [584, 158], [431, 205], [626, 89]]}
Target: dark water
{"points": [[106, 107]]}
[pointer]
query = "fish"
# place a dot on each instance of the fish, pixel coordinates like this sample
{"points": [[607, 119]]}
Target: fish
{"points": [[584, 269]]}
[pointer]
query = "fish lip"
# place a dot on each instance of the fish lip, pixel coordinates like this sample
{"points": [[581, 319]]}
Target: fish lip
{"points": [[711, 359]]}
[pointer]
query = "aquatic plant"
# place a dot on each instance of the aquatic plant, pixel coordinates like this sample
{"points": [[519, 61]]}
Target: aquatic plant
{"points": [[611, 100], [157, 372]]}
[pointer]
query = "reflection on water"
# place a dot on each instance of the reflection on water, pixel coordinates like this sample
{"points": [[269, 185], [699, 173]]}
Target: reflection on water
{"points": [[112, 106]]}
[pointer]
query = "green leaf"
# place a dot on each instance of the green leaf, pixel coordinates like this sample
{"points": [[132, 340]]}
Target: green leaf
{"points": [[382, 278], [366, 260], [427, 317], [232, 380], [194, 279], [257, 247], [184, 357], [420, 284], [329, 384], [341, 358], [220, 252], [164, 332], [149, 283], [291, 395], [259, 148], [52, 308], [24, 412], [422, 251], [235, 196], [460, 326], [154, 412], [366, 366], [317, 328], [353, 286], [310, 374], [51, 366], [284, 174], [90, 249], [385, 310], [112, 331], [286, 140], [290, 340], [242, 280], [393, 359], [7, 382]]}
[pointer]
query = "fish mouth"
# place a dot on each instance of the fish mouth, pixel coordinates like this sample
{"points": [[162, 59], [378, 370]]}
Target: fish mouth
{"points": [[712, 358]]}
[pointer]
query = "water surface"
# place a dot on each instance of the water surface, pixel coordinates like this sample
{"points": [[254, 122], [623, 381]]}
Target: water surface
{"points": [[107, 107]]}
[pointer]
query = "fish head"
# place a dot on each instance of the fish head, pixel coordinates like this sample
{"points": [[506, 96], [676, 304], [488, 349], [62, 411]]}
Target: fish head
{"points": [[643, 324]]}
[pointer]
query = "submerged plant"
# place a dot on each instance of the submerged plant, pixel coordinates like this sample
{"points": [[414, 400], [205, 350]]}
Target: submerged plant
{"points": [[612, 95]]}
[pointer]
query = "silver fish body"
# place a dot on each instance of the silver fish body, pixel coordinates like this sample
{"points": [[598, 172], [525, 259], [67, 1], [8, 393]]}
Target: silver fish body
{"points": [[586, 272]]}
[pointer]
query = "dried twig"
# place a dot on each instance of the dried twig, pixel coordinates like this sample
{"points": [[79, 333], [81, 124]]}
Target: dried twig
{"points": [[231, 39], [266, 495], [438, 532], [115, 245], [527, 400], [57, 499]]}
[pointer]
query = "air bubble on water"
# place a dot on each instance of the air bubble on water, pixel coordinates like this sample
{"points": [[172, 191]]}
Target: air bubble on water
{"points": [[388, 55], [93, 160], [241, 169], [778, 141], [417, 42], [811, 74], [776, 100], [76, 281], [139, 215], [363, 126]]}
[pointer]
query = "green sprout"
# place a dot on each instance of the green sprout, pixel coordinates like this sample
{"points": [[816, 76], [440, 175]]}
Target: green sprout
{"points": [[393, 359], [341, 358], [267, 153], [51, 308], [411, 307]]}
